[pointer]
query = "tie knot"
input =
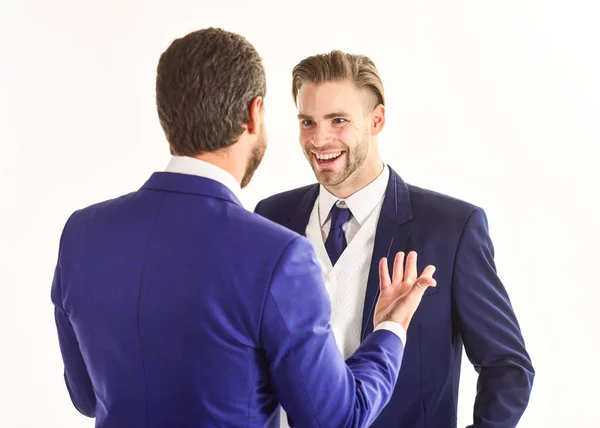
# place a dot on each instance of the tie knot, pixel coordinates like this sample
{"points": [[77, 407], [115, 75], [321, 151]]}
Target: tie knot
{"points": [[339, 216]]}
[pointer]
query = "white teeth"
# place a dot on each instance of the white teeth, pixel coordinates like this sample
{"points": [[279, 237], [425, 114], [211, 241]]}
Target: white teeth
{"points": [[328, 156]]}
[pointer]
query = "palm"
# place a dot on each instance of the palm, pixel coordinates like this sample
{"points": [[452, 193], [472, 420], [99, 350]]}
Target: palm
{"points": [[400, 295]]}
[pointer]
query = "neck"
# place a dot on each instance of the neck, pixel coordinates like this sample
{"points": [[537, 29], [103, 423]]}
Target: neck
{"points": [[361, 178], [225, 160]]}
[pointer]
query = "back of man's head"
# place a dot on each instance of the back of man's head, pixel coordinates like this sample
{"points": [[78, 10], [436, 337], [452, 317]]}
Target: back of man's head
{"points": [[204, 86]]}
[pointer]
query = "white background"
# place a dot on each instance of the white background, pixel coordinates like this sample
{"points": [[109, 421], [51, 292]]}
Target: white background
{"points": [[497, 103]]}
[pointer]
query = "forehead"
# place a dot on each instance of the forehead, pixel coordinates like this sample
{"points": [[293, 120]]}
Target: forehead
{"points": [[323, 98]]}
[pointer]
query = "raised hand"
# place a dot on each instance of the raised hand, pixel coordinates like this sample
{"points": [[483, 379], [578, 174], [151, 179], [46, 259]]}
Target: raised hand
{"points": [[400, 296]]}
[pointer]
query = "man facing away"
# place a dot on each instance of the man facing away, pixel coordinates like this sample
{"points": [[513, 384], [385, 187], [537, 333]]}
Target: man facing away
{"points": [[175, 307], [361, 211]]}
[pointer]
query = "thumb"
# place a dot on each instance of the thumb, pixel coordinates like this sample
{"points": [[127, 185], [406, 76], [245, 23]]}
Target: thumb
{"points": [[421, 285]]}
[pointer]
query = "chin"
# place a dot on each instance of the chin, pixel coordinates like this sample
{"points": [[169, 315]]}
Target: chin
{"points": [[328, 178]]}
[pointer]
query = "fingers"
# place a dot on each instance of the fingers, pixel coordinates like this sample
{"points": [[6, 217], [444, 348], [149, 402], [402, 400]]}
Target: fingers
{"points": [[406, 276], [384, 274], [410, 272], [398, 273]]}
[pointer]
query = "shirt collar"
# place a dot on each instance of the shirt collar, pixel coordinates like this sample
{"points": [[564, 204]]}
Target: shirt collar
{"points": [[361, 203], [193, 166]]}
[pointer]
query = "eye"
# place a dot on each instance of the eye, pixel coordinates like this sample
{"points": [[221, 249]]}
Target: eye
{"points": [[339, 121], [306, 123]]}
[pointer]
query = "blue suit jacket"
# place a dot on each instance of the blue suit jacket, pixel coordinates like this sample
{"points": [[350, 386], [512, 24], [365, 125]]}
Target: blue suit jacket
{"points": [[176, 307], [469, 306]]}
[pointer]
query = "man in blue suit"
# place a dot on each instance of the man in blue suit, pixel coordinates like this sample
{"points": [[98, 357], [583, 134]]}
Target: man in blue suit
{"points": [[340, 102], [176, 307]]}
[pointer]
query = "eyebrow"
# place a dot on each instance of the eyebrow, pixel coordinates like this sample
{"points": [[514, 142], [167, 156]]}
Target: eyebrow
{"points": [[327, 116]]}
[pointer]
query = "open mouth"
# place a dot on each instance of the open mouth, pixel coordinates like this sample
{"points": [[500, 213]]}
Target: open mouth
{"points": [[328, 159]]}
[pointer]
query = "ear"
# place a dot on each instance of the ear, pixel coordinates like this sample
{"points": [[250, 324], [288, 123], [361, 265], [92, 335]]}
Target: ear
{"points": [[377, 119], [255, 111]]}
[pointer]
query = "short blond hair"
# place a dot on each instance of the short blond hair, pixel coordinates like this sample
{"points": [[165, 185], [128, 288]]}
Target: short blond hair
{"points": [[338, 66]]}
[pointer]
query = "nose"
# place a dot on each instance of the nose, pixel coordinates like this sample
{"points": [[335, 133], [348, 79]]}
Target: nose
{"points": [[321, 136]]}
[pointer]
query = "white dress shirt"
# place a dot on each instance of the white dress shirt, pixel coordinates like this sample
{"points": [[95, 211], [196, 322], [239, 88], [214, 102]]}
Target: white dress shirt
{"points": [[361, 204], [193, 166]]}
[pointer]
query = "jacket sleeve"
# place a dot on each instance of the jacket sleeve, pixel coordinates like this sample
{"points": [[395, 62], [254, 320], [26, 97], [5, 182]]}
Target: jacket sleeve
{"points": [[490, 330], [314, 384], [76, 375]]}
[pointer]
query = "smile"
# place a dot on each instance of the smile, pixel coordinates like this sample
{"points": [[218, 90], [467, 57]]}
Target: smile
{"points": [[327, 156], [327, 159]]}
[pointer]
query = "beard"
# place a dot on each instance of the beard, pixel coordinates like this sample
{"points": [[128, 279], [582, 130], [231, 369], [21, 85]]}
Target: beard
{"points": [[256, 156], [354, 159]]}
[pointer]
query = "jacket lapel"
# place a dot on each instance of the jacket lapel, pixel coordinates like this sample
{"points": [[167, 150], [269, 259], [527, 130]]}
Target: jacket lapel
{"points": [[392, 236], [299, 219]]}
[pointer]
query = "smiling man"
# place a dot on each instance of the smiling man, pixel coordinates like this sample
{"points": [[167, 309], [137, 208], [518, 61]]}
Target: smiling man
{"points": [[360, 211]]}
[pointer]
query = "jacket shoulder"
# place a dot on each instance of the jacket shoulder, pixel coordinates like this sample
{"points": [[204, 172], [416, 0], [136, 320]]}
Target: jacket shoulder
{"points": [[435, 204], [282, 205]]}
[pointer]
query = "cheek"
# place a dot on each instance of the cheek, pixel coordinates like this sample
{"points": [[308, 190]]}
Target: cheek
{"points": [[305, 136], [355, 134], [346, 135]]}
